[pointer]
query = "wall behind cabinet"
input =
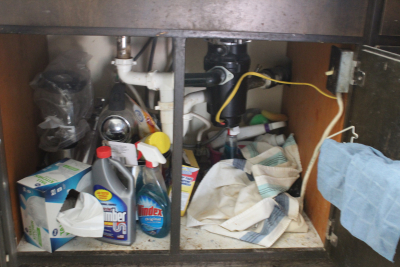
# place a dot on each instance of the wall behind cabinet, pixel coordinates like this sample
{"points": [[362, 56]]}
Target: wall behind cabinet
{"points": [[103, 50]]}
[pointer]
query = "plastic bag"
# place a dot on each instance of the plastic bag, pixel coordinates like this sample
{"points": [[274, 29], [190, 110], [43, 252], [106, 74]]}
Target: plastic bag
{"points": [[64, 95]]}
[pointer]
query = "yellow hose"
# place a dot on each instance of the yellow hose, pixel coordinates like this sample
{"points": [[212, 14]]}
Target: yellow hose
{"points": [[236, 88]]}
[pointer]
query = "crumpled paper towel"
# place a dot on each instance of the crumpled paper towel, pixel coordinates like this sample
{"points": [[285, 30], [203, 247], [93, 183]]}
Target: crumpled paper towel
{"points": [[82, 215]]}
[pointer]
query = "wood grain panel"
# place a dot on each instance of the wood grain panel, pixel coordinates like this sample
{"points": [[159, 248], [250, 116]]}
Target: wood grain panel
{"points": [[309, 114], [21, 57]]}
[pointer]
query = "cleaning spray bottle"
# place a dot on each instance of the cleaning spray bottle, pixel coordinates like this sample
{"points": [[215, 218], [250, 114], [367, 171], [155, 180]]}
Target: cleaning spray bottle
{"points": [[159, 140], [117, 196], [153, 203]]}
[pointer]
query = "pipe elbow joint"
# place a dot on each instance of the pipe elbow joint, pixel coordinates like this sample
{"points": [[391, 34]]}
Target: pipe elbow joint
{"points": [[193, 99]]}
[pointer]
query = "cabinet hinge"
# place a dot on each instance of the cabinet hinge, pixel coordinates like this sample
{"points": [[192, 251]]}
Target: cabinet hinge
{"points": [[358, 75], [330, 236]]}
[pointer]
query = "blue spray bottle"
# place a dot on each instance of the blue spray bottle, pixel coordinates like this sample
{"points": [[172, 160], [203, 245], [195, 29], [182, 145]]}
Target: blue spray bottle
{"points": [[153, 203]]}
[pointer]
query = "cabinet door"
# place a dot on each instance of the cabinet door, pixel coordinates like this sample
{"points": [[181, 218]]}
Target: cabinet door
{"points": [[7, 237], [374, 110], [3, 256]]}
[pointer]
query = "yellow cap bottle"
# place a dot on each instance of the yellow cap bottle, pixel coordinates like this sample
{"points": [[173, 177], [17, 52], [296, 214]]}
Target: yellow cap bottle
{"points": [[159, 140]]}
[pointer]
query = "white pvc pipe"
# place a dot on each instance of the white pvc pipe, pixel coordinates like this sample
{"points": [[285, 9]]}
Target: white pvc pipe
{"points": [[135, 78], [193, 99], [164, 82]]}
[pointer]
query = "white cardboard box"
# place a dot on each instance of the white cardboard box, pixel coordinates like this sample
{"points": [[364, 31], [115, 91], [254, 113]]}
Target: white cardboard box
{"points": [[41, 197]]}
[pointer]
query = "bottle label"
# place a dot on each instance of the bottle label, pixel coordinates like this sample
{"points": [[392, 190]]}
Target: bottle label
{"points": [[151, 217], [115, 214]]}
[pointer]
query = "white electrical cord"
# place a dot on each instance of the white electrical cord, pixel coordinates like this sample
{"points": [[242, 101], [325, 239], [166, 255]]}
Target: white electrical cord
{"points": [[317, 148], [137, 96], [206, 122]]}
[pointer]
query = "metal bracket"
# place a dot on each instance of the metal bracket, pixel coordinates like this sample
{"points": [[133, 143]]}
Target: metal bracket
{"points": [[228, 75], [330, 236], [358, 76]]}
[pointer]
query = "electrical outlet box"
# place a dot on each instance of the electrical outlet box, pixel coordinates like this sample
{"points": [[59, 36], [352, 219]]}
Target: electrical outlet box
{"points": [[341, 68]]}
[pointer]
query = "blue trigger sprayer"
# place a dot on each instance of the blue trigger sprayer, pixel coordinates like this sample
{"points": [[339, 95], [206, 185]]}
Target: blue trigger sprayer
{"points": [[153, 203]]}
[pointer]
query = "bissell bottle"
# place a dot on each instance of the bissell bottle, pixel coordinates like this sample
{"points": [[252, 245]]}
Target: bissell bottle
{"points": [[118, 200]]}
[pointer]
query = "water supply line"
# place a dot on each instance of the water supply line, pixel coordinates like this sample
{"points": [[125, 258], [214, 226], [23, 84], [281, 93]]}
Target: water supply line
{"points": [[189, 101], [137, 97], [188, 117]]}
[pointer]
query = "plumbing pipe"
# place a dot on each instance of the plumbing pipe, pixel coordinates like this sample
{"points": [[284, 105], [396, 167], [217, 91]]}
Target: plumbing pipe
{"points": [[189, 117], [164, 82], [193, 99], [142, 49], [123, 47], [206, 79], [248, 132]]}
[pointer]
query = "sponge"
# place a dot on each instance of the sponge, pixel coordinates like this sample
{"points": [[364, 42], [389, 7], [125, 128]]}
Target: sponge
{"points": [[274, 116]]}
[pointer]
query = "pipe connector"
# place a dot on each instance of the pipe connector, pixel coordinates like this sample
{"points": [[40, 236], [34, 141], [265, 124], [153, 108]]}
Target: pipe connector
{"points": [[123, 65], [123, 47]]}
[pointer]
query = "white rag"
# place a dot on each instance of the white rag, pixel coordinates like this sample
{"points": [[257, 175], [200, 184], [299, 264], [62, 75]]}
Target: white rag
{"points": [[245, 199]]}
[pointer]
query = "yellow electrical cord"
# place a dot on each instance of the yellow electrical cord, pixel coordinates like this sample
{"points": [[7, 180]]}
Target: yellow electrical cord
{"points": [[236, 88]]}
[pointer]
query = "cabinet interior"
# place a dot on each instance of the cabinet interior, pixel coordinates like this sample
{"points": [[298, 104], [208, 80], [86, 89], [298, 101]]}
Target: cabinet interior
{"points": [[23, 56]]}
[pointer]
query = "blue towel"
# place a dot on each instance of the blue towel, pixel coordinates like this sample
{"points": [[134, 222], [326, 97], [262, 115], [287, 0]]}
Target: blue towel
{"points": [[365, 186]]}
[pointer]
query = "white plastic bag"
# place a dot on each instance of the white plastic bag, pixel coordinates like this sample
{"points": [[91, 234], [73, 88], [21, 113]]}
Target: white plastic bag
{"points": [[64, 94]]}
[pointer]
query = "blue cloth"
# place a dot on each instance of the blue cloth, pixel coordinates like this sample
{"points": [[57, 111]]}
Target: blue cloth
{"points": [[365, 186]]}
